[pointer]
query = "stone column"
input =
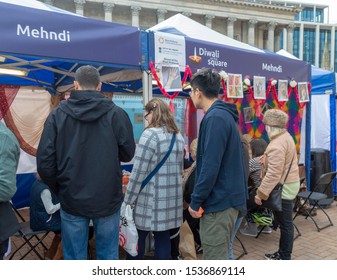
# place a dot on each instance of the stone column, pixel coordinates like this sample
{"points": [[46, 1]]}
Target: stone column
{"points": [[49, 2], [135, 15], [161, 15], [230, 26], [277, 39], [208, 20], [290, 38], [79, 6], [271, 35], [108, 7], [186, 14], [301, 41], [251, 31]]}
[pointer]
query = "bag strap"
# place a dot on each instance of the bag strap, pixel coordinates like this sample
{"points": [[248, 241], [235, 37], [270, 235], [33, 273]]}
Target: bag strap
{"points": [[289, 169], [160, 164]]}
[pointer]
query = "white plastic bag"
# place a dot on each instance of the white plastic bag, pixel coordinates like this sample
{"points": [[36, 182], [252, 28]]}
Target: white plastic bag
{"points": [[128, 235]]}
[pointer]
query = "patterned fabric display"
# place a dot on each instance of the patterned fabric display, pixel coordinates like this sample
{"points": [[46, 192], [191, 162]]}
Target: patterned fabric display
{"points": [[256, 127]]}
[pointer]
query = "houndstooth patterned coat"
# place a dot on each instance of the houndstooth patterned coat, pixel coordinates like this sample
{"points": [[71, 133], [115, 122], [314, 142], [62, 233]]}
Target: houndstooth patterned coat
{"points": [[159, 206]]}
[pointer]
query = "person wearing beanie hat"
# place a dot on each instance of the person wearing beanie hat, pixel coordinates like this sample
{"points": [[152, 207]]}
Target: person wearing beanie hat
{"points": [[275, 118], [279, 157]]}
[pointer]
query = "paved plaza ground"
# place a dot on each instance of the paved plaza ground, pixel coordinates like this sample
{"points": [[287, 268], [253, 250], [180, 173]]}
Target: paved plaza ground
{"points": [[311, 245]]}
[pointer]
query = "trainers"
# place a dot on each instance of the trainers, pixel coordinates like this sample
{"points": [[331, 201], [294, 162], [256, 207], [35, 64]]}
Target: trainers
{"points": [[265, 230], [275, 256]]}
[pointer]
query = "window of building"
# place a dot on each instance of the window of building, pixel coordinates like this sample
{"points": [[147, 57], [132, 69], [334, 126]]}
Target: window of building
{"points": [[309, 45], [308, 14], [296, 42], [324, 49], [320, 15]]}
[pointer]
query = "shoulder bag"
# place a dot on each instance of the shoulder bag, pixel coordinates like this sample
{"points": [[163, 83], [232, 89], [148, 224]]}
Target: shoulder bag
{"points": [[274, 201]]}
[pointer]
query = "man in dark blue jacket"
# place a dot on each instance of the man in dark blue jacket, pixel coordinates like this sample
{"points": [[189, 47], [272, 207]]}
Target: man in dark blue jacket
{"points": [[84, 140], [220, 188]]}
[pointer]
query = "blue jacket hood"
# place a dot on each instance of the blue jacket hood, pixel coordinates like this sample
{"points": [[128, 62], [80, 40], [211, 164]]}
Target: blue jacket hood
{"points": [[229, 107]]}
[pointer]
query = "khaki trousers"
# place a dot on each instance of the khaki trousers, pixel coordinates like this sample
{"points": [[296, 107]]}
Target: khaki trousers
{"points": [[215, 233]]}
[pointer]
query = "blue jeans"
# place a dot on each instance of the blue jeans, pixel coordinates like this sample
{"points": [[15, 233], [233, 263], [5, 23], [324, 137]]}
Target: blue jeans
{"points": [[162, 245], [75, 233], [285, 221], [235, 230]]}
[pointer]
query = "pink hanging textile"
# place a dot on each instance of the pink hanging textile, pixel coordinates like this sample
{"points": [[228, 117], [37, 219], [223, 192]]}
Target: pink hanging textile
{"points": [[7, 95]]}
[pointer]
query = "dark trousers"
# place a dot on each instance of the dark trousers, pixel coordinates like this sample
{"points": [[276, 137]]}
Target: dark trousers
{"points": [[193, 224], [162, 244], [3, 248], [285, 221]]}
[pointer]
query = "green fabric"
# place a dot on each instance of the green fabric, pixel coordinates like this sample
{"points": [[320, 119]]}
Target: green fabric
{"points": [[9, 159], [290, 190]]}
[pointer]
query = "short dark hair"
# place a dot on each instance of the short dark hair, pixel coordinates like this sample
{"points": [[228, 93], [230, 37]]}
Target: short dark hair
{"points": [[208, 81], [258, 147], [88, 77]]}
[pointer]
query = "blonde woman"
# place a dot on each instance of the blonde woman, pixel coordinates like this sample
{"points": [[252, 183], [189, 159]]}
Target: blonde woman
{"points": [[158, 206]]}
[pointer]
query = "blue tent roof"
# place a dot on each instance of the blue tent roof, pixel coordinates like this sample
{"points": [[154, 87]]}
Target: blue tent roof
{"points": [[50, 44], [323, 81]]}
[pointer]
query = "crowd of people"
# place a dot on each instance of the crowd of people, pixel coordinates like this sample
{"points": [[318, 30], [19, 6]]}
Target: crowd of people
{"points": [[80, 179]]}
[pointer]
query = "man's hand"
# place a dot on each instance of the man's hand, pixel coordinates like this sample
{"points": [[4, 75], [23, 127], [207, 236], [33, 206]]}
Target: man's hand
{"points": [[194, 214]]}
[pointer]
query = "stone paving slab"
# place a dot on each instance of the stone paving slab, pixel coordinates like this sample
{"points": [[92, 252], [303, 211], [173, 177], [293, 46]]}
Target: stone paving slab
{"points": [[311, 245]]}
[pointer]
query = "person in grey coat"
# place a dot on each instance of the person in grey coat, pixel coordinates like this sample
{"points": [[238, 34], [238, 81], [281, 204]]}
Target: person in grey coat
{"points": [[9, 158], [159, 206]]}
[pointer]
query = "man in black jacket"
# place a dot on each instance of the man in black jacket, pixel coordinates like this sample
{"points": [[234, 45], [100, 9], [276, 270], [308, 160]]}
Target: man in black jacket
{"points": [[84, 140]]}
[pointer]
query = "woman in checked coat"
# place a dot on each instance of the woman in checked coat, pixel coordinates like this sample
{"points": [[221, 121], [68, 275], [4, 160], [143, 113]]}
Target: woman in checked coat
{"points": [[159, 206]]}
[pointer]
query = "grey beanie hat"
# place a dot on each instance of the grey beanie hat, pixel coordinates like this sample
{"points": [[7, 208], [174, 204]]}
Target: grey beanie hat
{"points": [[275, 118]]}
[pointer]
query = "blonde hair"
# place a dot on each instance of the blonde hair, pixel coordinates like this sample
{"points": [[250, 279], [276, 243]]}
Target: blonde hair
{"points": [[247, 137], [272, 131], [161, 115], [193, 148]]}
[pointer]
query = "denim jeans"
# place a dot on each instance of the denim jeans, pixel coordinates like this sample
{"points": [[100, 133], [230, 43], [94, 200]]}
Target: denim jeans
{"points": [[75, 235], [235, 230], [162, 245], [285, 220]]}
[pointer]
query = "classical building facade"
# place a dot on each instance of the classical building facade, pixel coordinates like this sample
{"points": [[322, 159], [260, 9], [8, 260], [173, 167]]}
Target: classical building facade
{"points": [[298, 28], [314, 38]]}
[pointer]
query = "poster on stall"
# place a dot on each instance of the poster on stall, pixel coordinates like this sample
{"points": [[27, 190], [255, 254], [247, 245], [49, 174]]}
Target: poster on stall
{"points": [[170, 78], [169, 50], [134, 107]]}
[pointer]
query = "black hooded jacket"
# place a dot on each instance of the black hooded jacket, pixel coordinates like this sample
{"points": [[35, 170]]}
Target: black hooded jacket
{"points": [[84, 140]]}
